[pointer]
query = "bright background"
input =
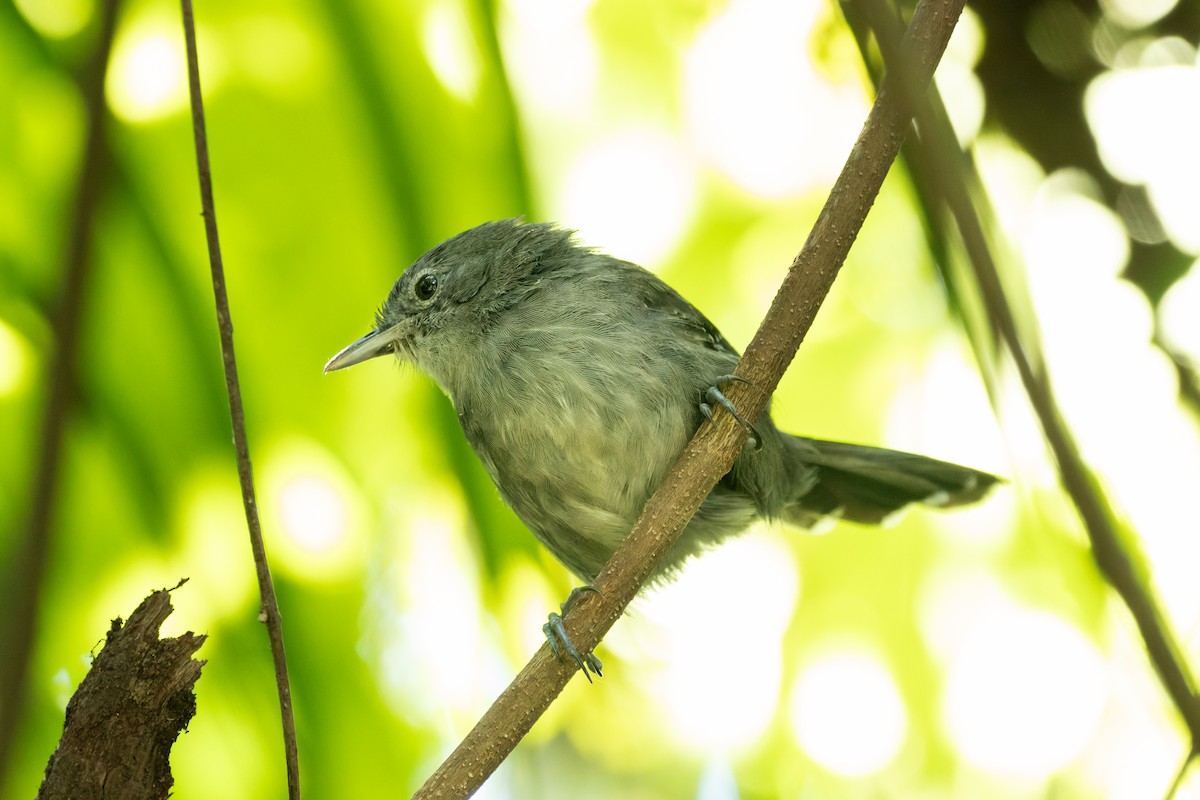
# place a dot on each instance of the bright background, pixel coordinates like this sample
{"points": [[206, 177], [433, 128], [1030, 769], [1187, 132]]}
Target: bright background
{"points": [[968, 654]]}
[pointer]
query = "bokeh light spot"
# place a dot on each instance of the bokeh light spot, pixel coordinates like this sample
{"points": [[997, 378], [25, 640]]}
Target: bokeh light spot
{"points": [[1025, 693], [1135, 14], [15, 361], [315, 509], [748, 93], [550, 53], [703, 635], [847, 713], [950, 602], [63, 687], [425, 626], [632, 194], [446, 39], [56, 19], [213, 552], [1179, 314], [313, 513], [1146, 122], [279, 52], [1059, 34], [1070, 235], [967, 41], [146, 79], [963, 95]]}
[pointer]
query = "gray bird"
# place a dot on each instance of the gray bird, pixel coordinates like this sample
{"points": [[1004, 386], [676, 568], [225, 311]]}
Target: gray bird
{"points": [[578, 380]]}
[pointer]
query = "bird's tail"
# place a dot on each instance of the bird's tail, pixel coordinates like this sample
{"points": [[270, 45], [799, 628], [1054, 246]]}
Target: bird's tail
{"points": [[869, 484]]}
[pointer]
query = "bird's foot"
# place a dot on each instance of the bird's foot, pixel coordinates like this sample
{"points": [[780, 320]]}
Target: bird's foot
{"points": [[560, 642], [714, 395]]}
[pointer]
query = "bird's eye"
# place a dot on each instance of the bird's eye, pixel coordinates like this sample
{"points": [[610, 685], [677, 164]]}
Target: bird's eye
{"points": [[426, 286]]}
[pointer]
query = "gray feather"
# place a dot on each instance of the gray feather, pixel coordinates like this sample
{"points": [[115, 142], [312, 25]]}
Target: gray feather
{"points": [[577, 379]]}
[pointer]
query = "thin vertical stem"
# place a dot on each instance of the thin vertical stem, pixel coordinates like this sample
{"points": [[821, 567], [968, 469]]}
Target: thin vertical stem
{"points": [[270, 604]]}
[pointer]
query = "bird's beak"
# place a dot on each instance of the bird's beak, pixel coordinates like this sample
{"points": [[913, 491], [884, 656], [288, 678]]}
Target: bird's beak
{"points": [[375, 343]]}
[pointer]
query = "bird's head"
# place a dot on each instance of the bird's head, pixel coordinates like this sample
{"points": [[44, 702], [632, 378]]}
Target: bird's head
{"points": [[454, 292]]}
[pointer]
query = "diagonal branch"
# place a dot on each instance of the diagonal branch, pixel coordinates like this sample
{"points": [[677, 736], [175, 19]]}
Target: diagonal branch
{"points": [[270, 604], [713, 450]]}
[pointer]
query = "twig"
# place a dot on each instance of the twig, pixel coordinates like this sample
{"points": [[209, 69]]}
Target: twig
{"points": [[270, 604], [712, 451], [944, 159], [30, 554]]}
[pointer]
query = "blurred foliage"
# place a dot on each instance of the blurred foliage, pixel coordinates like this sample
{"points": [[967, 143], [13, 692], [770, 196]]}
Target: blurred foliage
{"points": [[968, 654]]}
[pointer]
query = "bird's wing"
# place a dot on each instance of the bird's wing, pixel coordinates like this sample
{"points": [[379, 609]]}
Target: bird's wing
{"points": [[660, 298]]}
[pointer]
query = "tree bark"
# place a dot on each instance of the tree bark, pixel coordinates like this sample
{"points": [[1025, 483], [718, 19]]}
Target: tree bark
{"points": [[128, 712]]}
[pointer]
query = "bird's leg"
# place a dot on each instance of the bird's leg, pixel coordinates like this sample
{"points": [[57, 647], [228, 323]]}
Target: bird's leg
{"points": [[715, 395], [560, 642]]}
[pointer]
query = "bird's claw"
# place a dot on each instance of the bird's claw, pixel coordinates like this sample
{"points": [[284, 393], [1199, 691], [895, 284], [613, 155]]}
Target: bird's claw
{"points": [[560, 642], [715, 395]]}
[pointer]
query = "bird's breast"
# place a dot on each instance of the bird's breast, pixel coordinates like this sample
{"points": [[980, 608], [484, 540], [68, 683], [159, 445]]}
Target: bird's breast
{"points": [[562, 430]]}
